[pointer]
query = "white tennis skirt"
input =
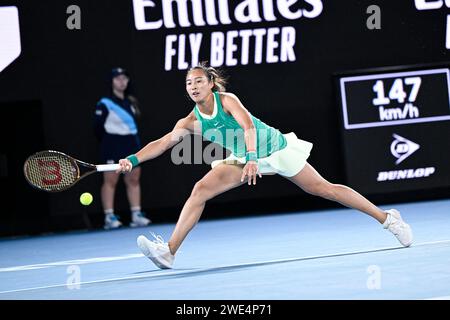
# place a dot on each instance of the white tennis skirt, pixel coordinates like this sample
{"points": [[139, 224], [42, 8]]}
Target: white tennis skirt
{"points": [[286, 162]]}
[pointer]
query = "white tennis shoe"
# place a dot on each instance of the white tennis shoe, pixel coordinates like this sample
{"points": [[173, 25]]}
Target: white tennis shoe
{"points": [[156, 250], [395, 224]]}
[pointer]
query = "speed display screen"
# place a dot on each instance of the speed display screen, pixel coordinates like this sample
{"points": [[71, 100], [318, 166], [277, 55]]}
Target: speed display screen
{"points": [[395, 99], [396, 129]]}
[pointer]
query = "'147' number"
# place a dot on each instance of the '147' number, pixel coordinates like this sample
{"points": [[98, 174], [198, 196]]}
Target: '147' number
{"points": [[397, 92]]}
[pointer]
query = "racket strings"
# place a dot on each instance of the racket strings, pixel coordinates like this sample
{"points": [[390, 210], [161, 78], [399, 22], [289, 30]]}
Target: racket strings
{"points": [[51, 171]]}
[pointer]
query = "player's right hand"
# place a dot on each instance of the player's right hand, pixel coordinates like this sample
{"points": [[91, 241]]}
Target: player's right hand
{"points": [[125, 166], [250, 171]]}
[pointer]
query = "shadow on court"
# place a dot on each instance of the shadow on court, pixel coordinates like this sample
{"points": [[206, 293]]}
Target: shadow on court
{"points": [[183, 273]]}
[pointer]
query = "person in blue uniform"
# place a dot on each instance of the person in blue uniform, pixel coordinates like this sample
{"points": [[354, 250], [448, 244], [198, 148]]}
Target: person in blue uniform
{"points": [[116, 129]]}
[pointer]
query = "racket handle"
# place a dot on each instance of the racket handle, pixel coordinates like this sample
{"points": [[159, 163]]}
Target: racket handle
{"points": [[107, 167]]}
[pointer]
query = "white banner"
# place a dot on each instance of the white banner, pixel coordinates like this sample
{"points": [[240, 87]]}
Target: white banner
{"points": [[10, 47]]}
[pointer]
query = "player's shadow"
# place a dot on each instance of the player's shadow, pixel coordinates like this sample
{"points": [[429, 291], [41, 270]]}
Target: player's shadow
{"points": [[183, 273]]}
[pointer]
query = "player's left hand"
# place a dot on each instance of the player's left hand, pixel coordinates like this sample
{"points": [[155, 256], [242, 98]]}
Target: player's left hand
{"points": [[250, 171]]}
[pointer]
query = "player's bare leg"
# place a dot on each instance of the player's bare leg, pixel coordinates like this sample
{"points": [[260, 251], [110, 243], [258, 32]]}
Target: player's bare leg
{"points": [[220, 179], [312, 182]]}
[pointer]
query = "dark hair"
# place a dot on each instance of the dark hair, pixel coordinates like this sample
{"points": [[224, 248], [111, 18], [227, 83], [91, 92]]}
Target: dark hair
{"points": [[214, 75], [135, 103], [128, 91]]}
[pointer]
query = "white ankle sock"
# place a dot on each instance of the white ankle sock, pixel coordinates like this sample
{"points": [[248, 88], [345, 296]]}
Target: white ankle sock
{"points": [[108, 211], [135, 210]]}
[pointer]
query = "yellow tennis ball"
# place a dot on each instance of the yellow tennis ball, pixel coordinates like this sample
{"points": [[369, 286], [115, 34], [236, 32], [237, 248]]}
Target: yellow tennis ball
{"points": [[86, 199]]}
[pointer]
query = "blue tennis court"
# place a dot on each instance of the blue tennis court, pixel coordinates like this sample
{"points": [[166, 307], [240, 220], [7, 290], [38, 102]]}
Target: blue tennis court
{"points": [[332, 254]]}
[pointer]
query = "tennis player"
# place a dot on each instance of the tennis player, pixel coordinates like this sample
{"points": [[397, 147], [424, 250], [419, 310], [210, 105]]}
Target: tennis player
{"points": [[256, 149]]}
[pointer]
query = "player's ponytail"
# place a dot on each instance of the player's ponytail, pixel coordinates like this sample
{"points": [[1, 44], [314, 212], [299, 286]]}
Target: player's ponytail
{"points": [[214, 75]]}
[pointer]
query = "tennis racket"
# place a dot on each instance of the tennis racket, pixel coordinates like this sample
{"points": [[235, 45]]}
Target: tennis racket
{"points": [[54, 171]]}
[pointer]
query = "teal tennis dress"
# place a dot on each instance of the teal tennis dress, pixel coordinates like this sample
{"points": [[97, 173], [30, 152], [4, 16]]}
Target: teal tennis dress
{"points": [[278, 153]]}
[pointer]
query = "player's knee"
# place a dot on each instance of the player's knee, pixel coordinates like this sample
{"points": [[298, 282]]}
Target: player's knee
{"points": [[330, 191], [324, 190], [200, 191]]}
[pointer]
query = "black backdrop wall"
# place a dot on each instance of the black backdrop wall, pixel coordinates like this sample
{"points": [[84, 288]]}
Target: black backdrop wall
{"points": [[63, 72]]}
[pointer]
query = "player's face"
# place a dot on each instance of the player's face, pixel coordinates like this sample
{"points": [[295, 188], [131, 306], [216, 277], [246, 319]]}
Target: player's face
{"points": [[120, 83], [198, 85]]}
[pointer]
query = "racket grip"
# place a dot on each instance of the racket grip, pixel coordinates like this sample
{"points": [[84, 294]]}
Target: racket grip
{"points": [[107, 167]]}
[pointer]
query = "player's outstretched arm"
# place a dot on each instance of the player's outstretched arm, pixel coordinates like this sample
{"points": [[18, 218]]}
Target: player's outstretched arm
{"points": [[233, 105], [155, 148]]}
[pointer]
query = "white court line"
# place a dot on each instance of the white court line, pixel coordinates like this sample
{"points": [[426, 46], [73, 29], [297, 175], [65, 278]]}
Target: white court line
{"points": [[243, 265], [129, 256], [70, 262], [430, 242]]}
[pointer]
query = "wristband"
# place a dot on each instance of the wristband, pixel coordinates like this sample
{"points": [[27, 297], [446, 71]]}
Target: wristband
{"points": [[134, 160], [251, 156]]}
